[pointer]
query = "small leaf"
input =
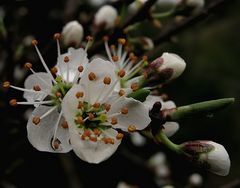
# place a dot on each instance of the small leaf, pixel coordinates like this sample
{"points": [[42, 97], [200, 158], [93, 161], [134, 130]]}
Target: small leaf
{"points": [[140, 94]]}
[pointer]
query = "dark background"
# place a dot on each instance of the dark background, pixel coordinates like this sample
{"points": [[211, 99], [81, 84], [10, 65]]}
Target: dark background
{"points": [[211, 50]]}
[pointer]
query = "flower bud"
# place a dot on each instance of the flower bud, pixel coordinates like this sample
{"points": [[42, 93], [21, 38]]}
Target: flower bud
{"points": [[195, 3], [106, 17], [72, 33], [169, 66], [146, 43], [208, 154]]}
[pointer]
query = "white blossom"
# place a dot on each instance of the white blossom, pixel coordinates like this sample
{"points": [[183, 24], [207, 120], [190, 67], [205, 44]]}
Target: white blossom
{"points": [[106, 17], [72, 33], [94, 110]]}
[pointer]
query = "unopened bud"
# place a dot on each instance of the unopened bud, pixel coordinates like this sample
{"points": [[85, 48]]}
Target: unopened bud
{"points": [[208, 154], [72, 33], [106, 17]]}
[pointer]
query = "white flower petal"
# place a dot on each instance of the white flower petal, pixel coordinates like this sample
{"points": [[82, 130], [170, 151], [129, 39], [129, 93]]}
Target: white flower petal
{"points": [[40, 136], [137, 113], [96, 89], [168, 105], [150, 100], [77, 57], [93, 152], [44, 83], [170, 128]]}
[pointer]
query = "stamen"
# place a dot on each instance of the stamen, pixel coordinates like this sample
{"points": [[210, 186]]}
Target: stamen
{"points": [[91, 76], [13, 102], [107, 80], [115, 58], [80, 105], [79, 120], [79, 94], [54, 70], [36, 88], [93, 139], [124, 110], [28, 66], [89, 40], [121, 92], [119, 136], [97, 132], [113, 49], [90, 116], [58, 94], [27, 90], [114, 121], [55, 141], [6, 84], [107, 106], [36, 120], [57, 37], [80, 68], [107, 48], [48, 112], [87, 133], [35, 102], [121, 73], [108, 140], [134, 86], [132, 128], [66, 59], [34, 43], [64, 124], [122, 41], [96, 105]]}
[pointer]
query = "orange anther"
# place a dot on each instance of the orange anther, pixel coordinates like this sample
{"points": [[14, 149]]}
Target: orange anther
{"points": [[115, 58], [28, 65], [87, 132], [54, 70], [121, 73], [119, 136], [107, 107], [36, 120], [122, 41], [92, 76], [131, 128], [93, 139], [79, 94], [66, 59], [97, 132], [124, 110], [36, 88], [121, 92], [96, 105], [6, 84], [34, 42], [13, 102], [57, 36], [114, 121], [79, 120], [80, 68], [107, 80], [90, 116], [64, 124], [134, 86], [80, 104]]}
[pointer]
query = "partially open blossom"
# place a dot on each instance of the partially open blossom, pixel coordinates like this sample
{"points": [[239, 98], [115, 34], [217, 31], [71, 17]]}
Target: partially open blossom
{"points": [[106, 17], [209, 155], [169, 66], [195, 180], [94, 113], [137, 139], [72, 33], [170, 127]]}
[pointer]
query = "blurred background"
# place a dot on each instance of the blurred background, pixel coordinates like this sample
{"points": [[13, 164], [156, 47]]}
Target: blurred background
{"points": [[210, 48]]}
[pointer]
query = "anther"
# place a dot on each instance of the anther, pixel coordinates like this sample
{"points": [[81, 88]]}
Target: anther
{"points": [[121, 73], [87, 133], [58, 94], [36, 120], [6, 84], [124, 110], [13, 102], [121, 92], [105, 38], [107, 80], [80, 68], [96, 105], [131, 128], [90, 116], [80, 105], [89, 38], [64, 124], [144, 58], [115, 58], [134, 86], [91, 76], [107, 107], [119, 136], [66, 59], [114, 121], [56, 36], [54, 70], [108, 140], [113, 47], [97, 132], [122, 41], [79, 120], [56, 144], [34, 42], [28, 65], [93, 139], [36, 88], [79, 94]]}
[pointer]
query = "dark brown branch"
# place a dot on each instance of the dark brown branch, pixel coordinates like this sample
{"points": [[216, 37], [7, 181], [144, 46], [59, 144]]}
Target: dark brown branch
{"points": [[176, 28]]}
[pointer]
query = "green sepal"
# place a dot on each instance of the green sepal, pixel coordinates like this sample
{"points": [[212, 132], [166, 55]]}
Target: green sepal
{"points": [[139, 95]]}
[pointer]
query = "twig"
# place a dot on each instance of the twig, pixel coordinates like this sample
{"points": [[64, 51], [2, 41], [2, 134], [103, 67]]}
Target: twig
{"points": [[176, 28]]}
